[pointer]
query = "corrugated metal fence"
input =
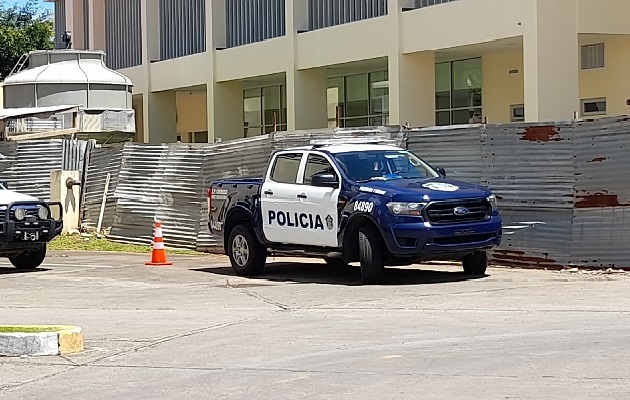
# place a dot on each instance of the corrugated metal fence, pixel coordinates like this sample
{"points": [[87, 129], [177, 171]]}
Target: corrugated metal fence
{"points": [[169, 182], [26, 165], [562, 187]]}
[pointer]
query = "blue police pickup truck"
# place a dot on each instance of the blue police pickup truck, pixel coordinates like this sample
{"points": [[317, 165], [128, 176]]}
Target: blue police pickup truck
{"points": [[345, 202]]}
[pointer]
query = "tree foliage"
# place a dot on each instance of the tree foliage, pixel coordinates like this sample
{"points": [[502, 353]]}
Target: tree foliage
{"points": [[23, 28]]}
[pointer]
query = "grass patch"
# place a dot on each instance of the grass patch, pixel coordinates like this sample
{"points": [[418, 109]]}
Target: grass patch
{"points": [[32, 329], [78, 243]]}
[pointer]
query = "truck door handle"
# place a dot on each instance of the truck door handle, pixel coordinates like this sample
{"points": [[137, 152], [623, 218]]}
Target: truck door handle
{"points": [[301, 196], [268, 192]]}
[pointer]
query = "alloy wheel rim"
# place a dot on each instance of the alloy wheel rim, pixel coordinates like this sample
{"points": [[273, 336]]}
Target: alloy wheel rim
{"points": [[240, 250]]}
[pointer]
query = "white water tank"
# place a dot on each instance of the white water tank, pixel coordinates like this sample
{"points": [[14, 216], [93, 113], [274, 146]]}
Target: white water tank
{"points": [[68, 77]]}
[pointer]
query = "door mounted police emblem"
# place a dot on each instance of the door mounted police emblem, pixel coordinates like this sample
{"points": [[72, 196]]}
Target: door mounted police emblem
{"points": [[329, 223]]}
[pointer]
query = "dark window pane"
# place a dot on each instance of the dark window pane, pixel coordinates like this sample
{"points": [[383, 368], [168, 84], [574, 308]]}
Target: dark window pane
{"points": [[443, 100], [315, 165], [355, 122], [251, 131], [595, 107], [443, 118], [357, 96], [467, 116], [286, 168], [466, 98]]}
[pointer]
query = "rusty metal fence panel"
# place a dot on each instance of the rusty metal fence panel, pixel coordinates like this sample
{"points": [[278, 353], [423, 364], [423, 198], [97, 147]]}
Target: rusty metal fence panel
{"points": [[530, 165], [601, 219]]}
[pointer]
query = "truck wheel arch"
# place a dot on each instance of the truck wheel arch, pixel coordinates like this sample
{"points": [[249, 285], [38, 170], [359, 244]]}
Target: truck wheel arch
{"points": [[235, 218], [351, 236]]}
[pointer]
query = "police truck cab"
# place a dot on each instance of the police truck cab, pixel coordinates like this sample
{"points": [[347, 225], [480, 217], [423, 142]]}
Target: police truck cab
{"points": [[343, 201]]}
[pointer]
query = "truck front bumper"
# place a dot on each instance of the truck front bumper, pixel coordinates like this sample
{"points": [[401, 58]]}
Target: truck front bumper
{"points": [[423, 241], [31, 230]]}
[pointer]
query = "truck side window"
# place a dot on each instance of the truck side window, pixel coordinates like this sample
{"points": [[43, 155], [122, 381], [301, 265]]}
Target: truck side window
{"points": [[286, 168], [316, 164]]}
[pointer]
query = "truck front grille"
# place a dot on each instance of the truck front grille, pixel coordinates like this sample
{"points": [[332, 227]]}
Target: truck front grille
{"points": [[458, 212]]}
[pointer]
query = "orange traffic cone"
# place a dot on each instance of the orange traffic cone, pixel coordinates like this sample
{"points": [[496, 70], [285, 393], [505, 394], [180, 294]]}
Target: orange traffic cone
{"points": [[158, 255]]}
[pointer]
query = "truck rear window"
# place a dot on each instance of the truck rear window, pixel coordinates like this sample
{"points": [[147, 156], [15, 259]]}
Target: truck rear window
{"points": [[285, 169]]}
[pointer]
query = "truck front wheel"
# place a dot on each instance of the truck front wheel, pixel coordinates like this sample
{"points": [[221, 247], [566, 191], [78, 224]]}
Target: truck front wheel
{"points": [[247, 255], [30, 259], [475, 263], [371, 256]]}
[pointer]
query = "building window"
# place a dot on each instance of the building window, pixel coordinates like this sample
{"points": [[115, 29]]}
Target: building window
{"points": [[196, 137], [517, 113], [358, 100], [326, 13], [591, 107], [263, 109], [251, 21], [428, 3], [593, 56], [458, 92]]}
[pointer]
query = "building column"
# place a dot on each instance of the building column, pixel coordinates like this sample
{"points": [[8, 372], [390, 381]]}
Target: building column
{"points": [[307, 103], [160, 110], [412, 89], [225, 111], [551, 62], [411, 76], [97, 24]]}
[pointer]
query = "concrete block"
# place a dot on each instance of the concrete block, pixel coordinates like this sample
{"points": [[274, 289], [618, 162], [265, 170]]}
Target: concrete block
{"points": [[71, 341], [29, 344]]}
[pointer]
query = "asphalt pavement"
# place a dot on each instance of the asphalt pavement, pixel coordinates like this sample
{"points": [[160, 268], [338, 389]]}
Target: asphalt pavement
{"points": [[306, 330]]}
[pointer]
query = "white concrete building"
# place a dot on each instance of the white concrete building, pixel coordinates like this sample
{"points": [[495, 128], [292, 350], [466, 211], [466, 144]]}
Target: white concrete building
{"points": [[228, 68]]}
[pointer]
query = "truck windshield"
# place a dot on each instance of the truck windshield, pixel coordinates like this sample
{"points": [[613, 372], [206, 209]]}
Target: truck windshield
{"points": [[365, 166]]}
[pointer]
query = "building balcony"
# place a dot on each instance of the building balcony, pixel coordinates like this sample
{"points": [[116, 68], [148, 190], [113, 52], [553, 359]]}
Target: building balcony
{"points": [[326, 13], [429, 3], [252, 21]]}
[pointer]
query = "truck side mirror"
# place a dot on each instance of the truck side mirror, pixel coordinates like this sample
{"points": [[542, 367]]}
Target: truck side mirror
{"points": [[325, 179], [441, 171]]}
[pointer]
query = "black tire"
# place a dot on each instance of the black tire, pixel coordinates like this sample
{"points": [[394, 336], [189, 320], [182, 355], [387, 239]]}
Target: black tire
{"points": [[247, 255], [475, 263], [371, 256], [336, 262], [29, 260]]}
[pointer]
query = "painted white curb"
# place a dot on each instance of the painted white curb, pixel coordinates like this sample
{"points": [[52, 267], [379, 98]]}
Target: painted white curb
{"points": [[29, 344]]}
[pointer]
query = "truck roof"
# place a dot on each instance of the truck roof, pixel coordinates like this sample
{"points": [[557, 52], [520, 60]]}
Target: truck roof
{"points": [[347, 148]]}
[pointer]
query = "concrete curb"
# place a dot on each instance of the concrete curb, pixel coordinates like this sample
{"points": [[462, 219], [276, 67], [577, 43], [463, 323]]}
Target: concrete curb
{"points": [[40, 340]]}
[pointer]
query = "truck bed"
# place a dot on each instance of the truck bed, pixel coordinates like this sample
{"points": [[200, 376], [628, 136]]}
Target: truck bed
{"points": [[232, 181]]}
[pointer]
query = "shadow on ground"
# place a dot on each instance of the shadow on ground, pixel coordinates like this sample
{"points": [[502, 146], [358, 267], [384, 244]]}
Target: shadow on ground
{"points": [[11, 270], [348, 276]]}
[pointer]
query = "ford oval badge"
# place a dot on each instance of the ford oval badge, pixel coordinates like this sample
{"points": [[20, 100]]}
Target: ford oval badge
{"points": [[461, 211]]}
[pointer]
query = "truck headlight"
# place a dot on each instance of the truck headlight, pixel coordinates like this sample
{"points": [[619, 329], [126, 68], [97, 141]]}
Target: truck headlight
{"points": [[414, 209], [20, 214], [42, 212], [492, 199]]}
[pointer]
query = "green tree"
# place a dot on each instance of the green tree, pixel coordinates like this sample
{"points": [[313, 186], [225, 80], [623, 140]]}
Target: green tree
{"points": [[23, 28]]}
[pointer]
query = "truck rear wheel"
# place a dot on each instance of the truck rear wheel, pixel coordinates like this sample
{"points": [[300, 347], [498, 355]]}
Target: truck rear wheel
{"points": [[247, 255], [475, 263], [371, 256], [29, 260]]}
